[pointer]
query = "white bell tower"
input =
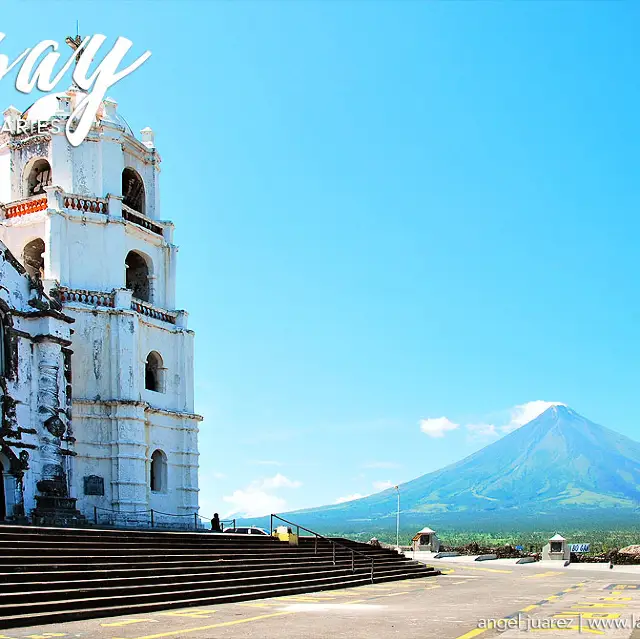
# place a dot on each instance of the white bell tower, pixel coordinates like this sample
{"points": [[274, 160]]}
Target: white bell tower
{"points": [[86, 221]]}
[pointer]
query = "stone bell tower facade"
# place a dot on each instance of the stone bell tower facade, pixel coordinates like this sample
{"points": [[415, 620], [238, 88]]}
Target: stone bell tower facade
{"points": [[86, 222]]}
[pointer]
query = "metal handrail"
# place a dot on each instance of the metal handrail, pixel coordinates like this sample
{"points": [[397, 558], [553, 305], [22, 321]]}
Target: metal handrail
{"points": [[151, 512], [331, 541], [222, 521]]}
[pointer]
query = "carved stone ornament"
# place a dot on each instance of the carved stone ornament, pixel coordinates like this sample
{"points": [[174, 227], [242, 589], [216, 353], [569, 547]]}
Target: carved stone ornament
{"points": [[55, 426]]}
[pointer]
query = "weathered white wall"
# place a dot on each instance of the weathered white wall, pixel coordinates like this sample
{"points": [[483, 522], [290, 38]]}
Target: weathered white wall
{"points": [[35, 385], [118, 423]]}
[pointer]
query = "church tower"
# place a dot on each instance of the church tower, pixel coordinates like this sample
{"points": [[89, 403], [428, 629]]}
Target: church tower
{"points": [[86, 222]]}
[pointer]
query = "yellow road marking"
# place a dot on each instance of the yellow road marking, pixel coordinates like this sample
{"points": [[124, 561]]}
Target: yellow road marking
{"points": [[473, 633], [626, 587], [615, 598], [529, 608], [126, 622], [539, 575], [223, 624], [46, 635], [395, 594], [485, 569], [196, 614], [301, 599], [597, 605]]}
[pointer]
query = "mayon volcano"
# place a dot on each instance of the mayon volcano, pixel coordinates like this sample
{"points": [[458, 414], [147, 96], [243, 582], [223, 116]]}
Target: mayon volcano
{"points": [[558, 468]]}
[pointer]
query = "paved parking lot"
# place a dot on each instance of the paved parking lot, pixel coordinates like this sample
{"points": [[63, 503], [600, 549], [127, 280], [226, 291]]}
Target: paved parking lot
{"points": [[484, 600]]}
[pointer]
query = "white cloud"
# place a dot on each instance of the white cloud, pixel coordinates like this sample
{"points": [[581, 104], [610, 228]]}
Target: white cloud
{"points": [[342, 500], [437, 426], [258, 498], [518, 416], [280, 481], [382, 485], [254, 503], [524, 413]]}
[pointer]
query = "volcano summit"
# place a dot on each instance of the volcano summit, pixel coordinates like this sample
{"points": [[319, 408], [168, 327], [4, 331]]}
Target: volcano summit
{"points": [[558, 468]]}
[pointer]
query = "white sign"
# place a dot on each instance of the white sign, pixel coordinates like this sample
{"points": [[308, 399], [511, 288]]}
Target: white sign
{"points": [[579, 547], [36, 71]]}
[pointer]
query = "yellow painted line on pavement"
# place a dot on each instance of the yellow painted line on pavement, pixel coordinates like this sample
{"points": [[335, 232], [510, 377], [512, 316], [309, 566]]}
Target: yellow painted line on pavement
{"points": [[585, 615], [529, 608], [301, 599], [194, 614], [539, 575], [473, 633], [126, 622], [615, 599], [506, 572], [223, 624], [598, 605], [395, 594]]}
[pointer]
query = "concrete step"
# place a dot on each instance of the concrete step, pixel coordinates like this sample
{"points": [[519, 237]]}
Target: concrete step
{"points": [[59, 574], [35, 585], [16, 619], [74, 602], [8, 563]]}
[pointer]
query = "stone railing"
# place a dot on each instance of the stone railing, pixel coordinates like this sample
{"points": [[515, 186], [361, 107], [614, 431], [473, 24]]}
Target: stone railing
{"points": [[86, 204], [144, 308], [32, 204], [141, 220], [93, 298]]}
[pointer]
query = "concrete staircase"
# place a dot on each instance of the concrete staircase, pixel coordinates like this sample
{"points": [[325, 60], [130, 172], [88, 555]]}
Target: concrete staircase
{"points": [[60, 574]]}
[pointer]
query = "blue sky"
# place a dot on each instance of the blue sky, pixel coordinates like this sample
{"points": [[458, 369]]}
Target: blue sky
{"points": [[388, 212]]}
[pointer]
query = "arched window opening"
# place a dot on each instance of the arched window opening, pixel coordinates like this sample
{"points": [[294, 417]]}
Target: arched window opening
{"points": [[158, 476], [33, 258], [153, 372], [133, 190], [137, 276], [39, 177]]}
